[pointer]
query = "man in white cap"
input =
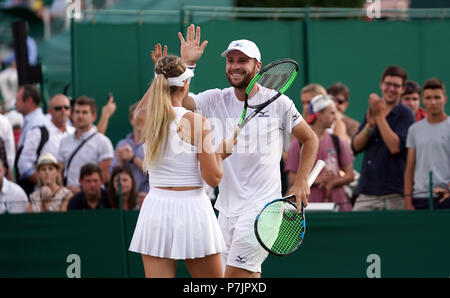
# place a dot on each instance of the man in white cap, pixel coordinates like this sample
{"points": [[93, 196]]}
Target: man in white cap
{"points": [[336, 153], [252, 174]]}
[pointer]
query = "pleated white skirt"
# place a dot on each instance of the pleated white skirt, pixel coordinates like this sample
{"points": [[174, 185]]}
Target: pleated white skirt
{"points": [[177, 225]]}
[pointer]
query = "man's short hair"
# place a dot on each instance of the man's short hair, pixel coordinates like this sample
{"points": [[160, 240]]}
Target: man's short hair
{"points": [[411, 88], [31, 91], [314, 88], [433, 83], [83, 100], [339, 88], [395, 71], [89, 169]]}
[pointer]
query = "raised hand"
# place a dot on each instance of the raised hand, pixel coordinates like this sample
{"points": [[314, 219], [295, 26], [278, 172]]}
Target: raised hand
{"points": [[376, 105], [110, 107], [191, 50], [158, 52]]}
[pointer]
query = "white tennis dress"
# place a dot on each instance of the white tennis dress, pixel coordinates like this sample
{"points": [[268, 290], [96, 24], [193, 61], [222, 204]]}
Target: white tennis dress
{"points": [[177, 224]]}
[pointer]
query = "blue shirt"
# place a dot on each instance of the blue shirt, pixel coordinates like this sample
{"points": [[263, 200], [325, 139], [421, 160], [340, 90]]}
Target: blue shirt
{"points": [[33, 119], [32, 53], [141, 179], [382, 172], [78, 202]]}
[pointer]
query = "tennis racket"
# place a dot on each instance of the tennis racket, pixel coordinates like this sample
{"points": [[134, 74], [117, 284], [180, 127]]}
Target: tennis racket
{"points": [[279, 76], [279, 228]]}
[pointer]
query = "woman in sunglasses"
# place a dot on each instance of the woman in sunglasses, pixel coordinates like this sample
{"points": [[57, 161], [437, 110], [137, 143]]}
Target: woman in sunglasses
{"points": [[341, 95]]}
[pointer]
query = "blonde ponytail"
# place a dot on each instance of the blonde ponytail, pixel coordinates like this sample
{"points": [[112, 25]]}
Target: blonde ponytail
{"points": [[160, 113]]}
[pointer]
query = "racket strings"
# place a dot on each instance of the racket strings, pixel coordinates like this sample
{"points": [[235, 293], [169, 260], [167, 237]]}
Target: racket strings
{"points": [[290, 234], [286, 225], [277, 76]]}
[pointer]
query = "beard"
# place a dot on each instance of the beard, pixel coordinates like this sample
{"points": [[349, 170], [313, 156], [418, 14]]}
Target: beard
{"points": [[245, 81]]}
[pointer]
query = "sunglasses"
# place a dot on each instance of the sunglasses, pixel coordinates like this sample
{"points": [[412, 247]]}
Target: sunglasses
{"points": [[340, 100], [59, 108]]}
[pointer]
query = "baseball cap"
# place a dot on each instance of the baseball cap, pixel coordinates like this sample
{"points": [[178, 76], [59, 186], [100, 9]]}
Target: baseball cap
{"points": [[247, 47], [47, 159], [317, 104]]}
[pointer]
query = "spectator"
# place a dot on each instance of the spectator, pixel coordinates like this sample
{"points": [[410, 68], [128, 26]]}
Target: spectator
{"points": [[59, 110], [107, 111], [85, 145], [382, 135], [51, 196], [130, 151], [12, 197], [307, 94], [7, 136], [92, 195], [128, 192], [328, 186], [46, 138], [411, 99], [341, 97], [28, 101], [428, 146]]}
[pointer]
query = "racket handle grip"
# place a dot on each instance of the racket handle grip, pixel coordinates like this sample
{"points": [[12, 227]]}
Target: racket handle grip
{"points": [[320, 164], [233, 135]]}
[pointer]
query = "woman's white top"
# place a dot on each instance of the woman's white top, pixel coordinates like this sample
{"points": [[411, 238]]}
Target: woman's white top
{"points": [[179, 164]]}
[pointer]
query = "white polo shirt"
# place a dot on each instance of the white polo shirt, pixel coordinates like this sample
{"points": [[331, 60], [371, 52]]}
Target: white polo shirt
{"points": [[13, 198], [251, 175], [95, 150]]}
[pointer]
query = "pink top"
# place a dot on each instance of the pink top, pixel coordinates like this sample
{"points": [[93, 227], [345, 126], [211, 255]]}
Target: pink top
{"points": [[328, 154]]}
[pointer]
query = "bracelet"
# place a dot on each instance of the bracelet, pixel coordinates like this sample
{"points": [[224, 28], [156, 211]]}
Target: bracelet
{"points": [[132, 159]]}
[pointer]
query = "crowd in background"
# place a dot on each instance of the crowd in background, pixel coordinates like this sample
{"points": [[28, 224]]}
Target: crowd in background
{"points": [[61, 160]]}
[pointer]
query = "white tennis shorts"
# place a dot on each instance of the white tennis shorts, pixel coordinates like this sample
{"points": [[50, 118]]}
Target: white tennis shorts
{"points": [[243, 249], [177, 225]]}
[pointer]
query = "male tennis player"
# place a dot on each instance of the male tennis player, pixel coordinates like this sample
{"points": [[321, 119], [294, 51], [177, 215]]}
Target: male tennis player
{"points": [[252, 174]]}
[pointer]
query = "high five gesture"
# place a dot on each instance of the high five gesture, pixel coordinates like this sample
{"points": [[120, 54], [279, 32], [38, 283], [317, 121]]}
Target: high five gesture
{"points": [[190, 49]]}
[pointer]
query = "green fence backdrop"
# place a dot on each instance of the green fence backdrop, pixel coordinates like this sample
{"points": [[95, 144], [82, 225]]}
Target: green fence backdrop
{"points": [[404, 243]]}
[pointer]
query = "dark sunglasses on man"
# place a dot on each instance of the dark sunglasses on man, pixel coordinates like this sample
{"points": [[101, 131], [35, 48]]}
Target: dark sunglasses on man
{"points": [[340, 100], [59, 108]]}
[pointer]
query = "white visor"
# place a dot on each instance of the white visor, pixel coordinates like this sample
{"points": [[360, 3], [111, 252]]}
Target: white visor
{"points": [[179, 81]]}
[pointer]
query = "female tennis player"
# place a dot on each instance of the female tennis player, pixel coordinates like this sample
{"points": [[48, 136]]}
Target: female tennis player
{"points": [[177, 221]]}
